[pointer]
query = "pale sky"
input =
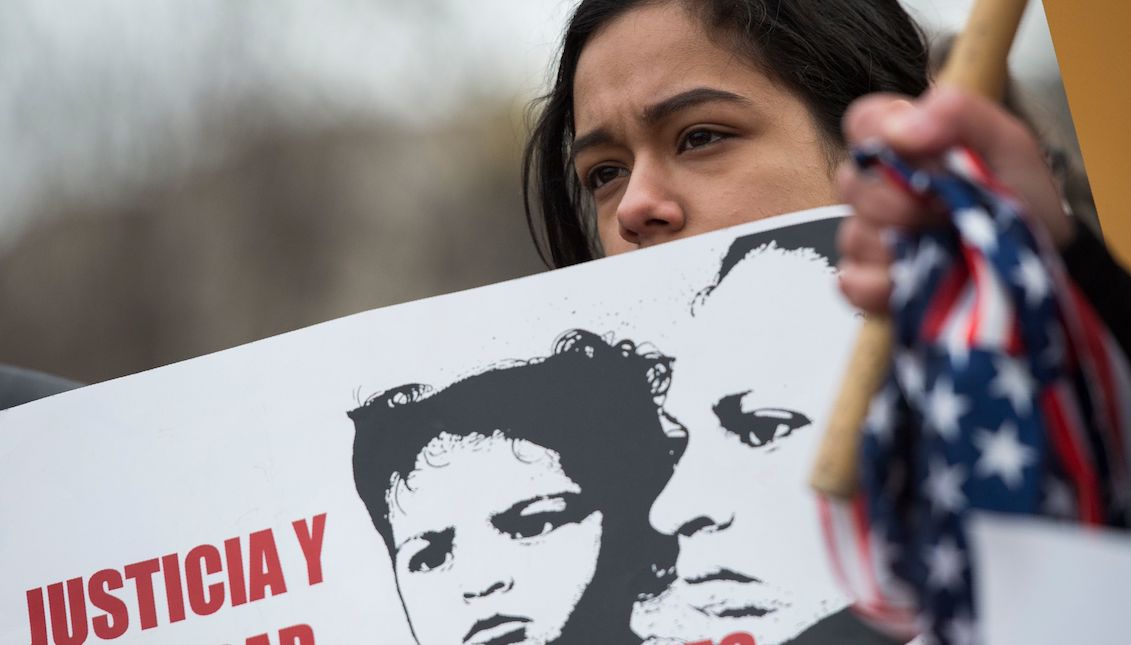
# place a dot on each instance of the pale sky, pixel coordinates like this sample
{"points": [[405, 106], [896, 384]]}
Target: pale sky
{"points": [[101, 94]]}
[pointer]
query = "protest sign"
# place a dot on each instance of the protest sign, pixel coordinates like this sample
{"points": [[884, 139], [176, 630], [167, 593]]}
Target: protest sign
{"points": [[610, 453]]}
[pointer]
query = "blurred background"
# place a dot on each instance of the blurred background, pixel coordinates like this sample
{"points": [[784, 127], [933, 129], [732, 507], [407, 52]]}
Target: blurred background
{"points": [[183, 176]]}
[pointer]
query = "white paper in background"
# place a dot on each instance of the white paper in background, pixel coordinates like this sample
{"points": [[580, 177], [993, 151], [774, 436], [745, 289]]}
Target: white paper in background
{"points": [[126, 481], [1041, 582]]}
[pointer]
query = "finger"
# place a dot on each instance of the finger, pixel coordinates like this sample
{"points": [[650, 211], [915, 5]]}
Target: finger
{"points": [[948, 116], [881, 203], [866, 287], [860, 242], [865, 118]]}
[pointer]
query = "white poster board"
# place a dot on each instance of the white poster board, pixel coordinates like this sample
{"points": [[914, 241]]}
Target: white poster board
{"points": [[640, 480], [1043, 581]]}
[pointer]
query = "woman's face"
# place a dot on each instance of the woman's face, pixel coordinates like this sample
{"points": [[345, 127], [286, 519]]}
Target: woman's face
{"points": [[494, 543], [750, 555], [678, 135]]}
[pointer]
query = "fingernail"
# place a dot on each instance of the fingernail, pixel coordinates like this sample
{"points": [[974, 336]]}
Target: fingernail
{"points": [[901, 105]]}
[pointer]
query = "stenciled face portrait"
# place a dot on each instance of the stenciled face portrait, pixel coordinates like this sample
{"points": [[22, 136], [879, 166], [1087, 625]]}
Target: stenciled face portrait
{"points": [[678, 134], [501, 497], [494, 543], [750, 557]]}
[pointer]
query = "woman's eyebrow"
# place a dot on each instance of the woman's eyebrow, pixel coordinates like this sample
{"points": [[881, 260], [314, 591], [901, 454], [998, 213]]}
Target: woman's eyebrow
{"points": [[597, 137], [658, 112], [663, 109]]}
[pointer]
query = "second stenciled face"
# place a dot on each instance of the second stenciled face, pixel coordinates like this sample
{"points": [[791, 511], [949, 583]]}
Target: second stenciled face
{"points": [[494, 542], [752, 387]]}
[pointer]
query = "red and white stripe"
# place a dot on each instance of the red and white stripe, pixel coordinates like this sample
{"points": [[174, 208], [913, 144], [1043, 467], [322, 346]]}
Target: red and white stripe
{"points": [[859, 562]]}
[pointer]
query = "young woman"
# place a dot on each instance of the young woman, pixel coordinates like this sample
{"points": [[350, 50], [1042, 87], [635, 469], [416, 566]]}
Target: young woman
{"points": [[514, 503], [676, 117], [668, 119]]}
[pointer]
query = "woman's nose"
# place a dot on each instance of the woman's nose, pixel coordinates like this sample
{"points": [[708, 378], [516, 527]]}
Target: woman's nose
{"points": [[689, 504], [648, 211]]}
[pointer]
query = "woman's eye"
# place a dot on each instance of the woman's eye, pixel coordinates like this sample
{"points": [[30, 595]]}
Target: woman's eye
{"points": [[699, 138], [602, 175]]}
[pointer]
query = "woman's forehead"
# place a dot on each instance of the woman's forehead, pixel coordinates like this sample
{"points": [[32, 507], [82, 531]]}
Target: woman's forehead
{"points": [[647, 53]]}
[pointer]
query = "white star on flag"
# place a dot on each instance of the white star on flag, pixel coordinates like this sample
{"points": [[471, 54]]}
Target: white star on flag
{"points": [[1003, 454], [910, 374], [1030, 276], [945, 408], [944, 486], [930, 255], [1014, 383], [1058, 500], [904, 281], [946, 565], [977, 227], [880, 412]]}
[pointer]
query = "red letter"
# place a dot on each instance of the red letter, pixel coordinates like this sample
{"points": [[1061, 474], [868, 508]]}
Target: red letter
{"points": [[297, 635], [234, 558], [142, 575], [98, 591], [203, 559], [174, 597], [76, 635], [37, 617], [266, 571], [260, 639], [740, 638], [310, 540]]}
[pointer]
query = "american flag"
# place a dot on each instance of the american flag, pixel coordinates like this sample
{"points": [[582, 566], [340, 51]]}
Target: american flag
{"points": [[1006, 394]]}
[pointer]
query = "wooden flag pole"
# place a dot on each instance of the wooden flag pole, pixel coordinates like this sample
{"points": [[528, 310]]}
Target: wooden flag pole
{"points": [[978, 63]]}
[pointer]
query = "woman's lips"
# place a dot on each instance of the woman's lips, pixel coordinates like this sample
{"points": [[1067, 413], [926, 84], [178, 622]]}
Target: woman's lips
{"points": [[497, 630]]}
